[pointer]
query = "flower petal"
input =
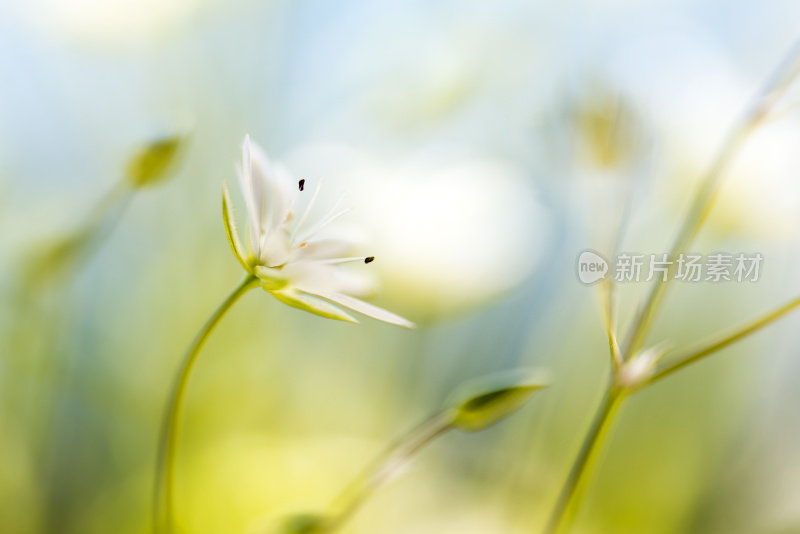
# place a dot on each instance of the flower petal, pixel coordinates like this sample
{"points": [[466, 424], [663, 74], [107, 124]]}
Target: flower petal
{"points": [[275, 248], [313, 305], [363, 307], [253, 193], [312, 277], [279, 185], [322, 249], [230, 227]]}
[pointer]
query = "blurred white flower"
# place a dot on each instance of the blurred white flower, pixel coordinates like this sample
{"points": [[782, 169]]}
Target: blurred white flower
{"points": [[293, 260], [451, 236], [476, 233]]}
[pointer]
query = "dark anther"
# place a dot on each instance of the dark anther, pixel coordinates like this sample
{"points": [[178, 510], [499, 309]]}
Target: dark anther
{"points": [[302, 184], [369, 259]]}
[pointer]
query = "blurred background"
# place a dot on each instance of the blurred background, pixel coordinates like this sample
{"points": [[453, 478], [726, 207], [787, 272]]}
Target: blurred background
{"points": [[483, 145]]}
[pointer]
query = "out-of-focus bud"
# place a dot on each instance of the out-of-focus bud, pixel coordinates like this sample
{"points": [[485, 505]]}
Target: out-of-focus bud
{"points": [[488, 400], [607, 131], [156, 161]]}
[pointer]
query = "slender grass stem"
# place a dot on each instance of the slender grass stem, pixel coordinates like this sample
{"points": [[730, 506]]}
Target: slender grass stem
{"points": [[564, 510], [40, 297], [752, 118], [163, 505], [386, 467], [762, 105], [54, 263], [719, 342], [607, 293]]}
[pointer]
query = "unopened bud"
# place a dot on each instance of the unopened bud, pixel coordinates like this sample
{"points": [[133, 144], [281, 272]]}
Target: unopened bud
{"points": [[488, 400]]}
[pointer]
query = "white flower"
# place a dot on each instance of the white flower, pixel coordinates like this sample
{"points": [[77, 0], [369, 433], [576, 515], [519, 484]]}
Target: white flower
{"points": [[290, 258]]}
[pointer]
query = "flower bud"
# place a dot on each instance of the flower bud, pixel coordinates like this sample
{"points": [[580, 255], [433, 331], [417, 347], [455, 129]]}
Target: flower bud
{"points": [[155, 161], [488, 400]]}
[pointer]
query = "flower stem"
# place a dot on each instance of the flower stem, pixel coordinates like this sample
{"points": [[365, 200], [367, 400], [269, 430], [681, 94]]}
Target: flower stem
{"points": [[386, 467], [754, 116], [607, 301], [614, 396], [168, 442], [722, 341], [594, 438]]}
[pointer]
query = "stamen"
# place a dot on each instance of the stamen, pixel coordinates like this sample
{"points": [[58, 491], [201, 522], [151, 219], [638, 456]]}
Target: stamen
{"points": [[331, 216], [301, 184], [306, 212], [336, 261], [325, 222]]}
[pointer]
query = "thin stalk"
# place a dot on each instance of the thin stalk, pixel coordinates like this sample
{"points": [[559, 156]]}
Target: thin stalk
{"points": [[760, 109], [41, 297], [168, 442], [697, 214], [386, 467], [753, 117], [563, 511], [721, 341], [607, 294], [62, 257]]}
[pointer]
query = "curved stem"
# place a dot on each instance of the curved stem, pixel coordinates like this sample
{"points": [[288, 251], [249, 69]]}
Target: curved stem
{"points": [[582, 464], [168, 442], [386, 467]]}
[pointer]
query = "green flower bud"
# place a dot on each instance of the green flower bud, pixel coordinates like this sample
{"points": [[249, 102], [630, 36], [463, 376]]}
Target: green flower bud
{"points": [[488, 400], [155, 161]]}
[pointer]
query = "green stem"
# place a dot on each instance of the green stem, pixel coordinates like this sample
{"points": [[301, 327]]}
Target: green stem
{"points": [[752, 118], [607, 301], [614, 397], [168, 442], [722, 341], [637, 334], [697, 215], [561, 513], [66, 255], [386, 467]]}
